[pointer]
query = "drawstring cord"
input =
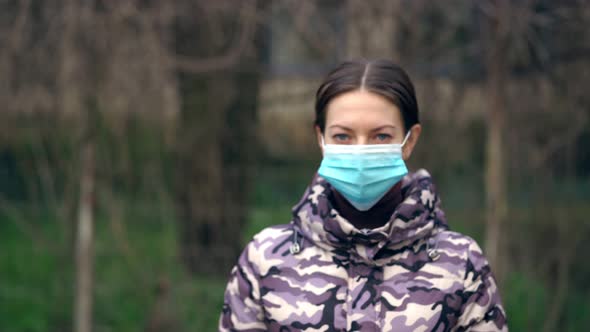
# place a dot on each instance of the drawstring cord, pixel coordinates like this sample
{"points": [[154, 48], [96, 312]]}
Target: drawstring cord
{"points": [[295, 247], [432, 250]]}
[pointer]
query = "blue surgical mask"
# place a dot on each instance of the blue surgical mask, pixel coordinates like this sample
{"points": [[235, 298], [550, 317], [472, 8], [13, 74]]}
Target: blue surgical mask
{"points": [[363, 174]]}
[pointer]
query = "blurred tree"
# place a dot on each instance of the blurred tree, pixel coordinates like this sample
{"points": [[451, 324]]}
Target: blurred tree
{"points": [[497, 33], [216, 138], [74, 100]]}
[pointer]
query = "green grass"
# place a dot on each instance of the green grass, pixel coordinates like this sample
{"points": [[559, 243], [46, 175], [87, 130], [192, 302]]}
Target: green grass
{"points": [[33, 290], [37, 283], [525, 300], [37, 279]]}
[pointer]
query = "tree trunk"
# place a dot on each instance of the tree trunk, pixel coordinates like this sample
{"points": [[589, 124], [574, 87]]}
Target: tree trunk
{"points": [[72, 104], [218, 120], [85, 242], [216, 142], [495, 179]]}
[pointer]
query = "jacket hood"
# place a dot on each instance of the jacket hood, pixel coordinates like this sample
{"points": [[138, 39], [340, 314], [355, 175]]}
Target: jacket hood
{"points": [[416, 218]]}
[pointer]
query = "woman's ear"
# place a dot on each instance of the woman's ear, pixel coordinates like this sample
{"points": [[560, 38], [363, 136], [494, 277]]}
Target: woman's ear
{"points": [[318, 133], [411, 142]]}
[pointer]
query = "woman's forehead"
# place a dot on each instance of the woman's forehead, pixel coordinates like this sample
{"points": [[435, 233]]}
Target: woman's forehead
{"points": [[362, 108], [360, 98]]}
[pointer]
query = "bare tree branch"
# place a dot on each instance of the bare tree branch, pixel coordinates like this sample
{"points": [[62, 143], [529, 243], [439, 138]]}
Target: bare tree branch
{"points": [[16, 37], [321, 40], [231, 57], [542, 154]]}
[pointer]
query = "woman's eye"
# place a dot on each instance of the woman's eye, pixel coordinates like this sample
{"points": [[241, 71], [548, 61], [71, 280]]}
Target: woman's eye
{"points": [[383, 137], [340, 137]]}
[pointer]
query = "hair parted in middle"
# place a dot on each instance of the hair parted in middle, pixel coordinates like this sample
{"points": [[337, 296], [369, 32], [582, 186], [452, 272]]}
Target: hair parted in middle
{"points": [[381, 76]]}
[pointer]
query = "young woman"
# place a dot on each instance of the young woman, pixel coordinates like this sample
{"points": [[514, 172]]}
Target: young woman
{"points": [[368, 247]]}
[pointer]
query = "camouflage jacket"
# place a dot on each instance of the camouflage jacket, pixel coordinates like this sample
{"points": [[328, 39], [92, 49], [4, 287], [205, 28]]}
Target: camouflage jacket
{"points": [[320, 273]]}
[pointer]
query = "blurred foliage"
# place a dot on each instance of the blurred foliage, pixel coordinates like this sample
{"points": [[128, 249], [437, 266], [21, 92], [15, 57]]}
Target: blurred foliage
{"points": [[144, 115]]}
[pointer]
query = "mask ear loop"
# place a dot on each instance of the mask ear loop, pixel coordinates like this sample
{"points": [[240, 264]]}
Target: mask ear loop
{"points": [[406, 138]]}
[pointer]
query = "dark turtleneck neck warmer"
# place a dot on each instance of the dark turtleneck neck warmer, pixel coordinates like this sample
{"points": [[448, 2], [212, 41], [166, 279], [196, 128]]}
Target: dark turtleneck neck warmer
{"points": [[376, 216], [417, 217]]}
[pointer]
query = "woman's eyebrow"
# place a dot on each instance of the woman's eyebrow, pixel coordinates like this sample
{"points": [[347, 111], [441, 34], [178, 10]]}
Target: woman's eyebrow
{"points": [[341, 127], [383, 127]]}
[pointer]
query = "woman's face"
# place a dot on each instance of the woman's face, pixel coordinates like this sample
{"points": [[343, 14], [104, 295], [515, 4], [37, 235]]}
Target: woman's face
{"points": [[362, 117]]}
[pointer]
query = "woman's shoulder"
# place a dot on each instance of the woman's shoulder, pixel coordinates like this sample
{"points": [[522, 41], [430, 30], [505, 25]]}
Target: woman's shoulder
{"points": [[268, 245], [272, 235], [461, 247]]}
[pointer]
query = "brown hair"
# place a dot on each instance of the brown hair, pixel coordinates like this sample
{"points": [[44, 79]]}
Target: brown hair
{"points": [[382, 77]]}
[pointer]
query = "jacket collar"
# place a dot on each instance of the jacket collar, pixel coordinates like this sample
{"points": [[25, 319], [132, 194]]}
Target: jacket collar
{"points": [[418, 216]]}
